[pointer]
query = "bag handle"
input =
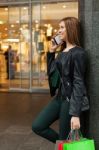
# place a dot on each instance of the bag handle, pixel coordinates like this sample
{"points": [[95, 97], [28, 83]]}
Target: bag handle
{"points": [[74, 135]]}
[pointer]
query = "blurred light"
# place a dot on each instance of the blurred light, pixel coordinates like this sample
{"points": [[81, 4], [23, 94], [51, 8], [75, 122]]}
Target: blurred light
{"points": [[6, 29], [45, 25], [12, 40], [55, 30], [36, 21], [44, 7], [21, 29], [1, 22], [6, 9], [25, 8], [12, 25], [64, 6], [4, 46], [17, 21]]}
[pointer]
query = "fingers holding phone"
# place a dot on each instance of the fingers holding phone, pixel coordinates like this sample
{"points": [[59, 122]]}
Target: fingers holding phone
{"points": [[57, 40], [55, 43]]}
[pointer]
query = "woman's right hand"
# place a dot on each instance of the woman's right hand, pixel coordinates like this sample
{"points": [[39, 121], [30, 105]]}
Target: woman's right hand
{"points": [[75, 123], [53, 46]]}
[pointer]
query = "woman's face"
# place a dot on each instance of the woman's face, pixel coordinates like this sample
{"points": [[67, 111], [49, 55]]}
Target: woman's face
{"points": [[62, 31]]}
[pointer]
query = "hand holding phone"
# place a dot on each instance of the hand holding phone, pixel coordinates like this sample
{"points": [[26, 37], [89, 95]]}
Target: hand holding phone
{"points": [[57, 40]]}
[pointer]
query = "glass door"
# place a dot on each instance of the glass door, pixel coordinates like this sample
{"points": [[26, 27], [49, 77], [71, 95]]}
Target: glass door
{"points": [[19, 47]]}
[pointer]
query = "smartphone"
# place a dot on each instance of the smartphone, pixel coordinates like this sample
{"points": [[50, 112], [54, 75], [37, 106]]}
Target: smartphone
{"points": [[57, 40]]}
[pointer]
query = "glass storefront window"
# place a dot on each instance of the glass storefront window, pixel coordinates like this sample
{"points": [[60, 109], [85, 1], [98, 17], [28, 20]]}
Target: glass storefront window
{"points": [[28, 28], [19, 39]]}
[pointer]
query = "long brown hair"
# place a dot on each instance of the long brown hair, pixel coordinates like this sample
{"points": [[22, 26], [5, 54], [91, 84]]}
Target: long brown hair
{"points": [[72, 25]]}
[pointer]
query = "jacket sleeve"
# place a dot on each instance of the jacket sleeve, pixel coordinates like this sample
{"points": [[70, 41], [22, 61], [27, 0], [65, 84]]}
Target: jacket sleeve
{"points": [[50, 62], [51, 67], [79, 61]]}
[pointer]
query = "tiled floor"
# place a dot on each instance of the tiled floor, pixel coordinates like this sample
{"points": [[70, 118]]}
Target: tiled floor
{"points": [[17, 111]]}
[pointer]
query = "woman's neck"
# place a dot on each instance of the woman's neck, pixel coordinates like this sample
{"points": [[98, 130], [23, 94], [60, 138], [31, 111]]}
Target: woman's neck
{"points": [[69, 46]]}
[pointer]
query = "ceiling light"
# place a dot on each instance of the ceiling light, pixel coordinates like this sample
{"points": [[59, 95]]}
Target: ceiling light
{"points": [[6, 9], [44, 7], [64, 6], [25, 8]]}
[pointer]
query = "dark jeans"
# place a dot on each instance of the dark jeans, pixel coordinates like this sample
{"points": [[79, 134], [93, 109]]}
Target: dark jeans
{"points": [[56, 109]]}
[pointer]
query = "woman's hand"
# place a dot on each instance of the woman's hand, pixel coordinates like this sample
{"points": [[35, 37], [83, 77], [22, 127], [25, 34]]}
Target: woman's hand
{"points": [[53, 46], [75, 123]]}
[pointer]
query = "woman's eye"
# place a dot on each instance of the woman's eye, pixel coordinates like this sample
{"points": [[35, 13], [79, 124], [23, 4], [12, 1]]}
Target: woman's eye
{"points": [[62, 27]]}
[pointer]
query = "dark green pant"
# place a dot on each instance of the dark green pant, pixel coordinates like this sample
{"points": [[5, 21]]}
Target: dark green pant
{"points": [[56, 109]]}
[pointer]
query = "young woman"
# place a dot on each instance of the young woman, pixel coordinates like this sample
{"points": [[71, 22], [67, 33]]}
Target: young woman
{"points": [[67, 102]]}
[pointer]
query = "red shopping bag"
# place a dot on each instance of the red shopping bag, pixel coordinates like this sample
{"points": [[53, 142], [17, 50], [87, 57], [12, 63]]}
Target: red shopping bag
{"points": [[60, 144]]}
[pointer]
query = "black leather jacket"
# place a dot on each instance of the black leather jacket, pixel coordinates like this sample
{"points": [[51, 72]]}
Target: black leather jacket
{"points": [[71, 66]]}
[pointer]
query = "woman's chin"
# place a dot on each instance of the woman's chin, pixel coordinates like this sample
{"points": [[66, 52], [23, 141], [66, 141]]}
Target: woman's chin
{"points": [[62, 39]]}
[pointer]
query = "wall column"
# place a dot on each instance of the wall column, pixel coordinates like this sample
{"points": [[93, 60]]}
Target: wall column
{"points": [[89, 17]]}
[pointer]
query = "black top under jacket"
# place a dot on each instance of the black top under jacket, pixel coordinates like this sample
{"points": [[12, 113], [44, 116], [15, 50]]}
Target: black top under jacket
{"points": [[71, 66]]}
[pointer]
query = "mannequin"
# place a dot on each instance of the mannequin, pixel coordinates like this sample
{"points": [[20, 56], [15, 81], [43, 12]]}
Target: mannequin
{"points": [[49, 32], [41, 41]]}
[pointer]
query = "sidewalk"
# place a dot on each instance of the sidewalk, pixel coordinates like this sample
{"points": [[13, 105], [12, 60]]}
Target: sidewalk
{"points": [[17, 111]]}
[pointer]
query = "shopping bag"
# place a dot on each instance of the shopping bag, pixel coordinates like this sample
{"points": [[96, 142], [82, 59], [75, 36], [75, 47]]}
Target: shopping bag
{"points": [[85, 144], [75, 141], [78, 142], [59, 143]]}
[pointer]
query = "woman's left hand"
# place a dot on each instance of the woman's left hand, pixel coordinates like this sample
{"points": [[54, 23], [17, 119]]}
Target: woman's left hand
{"points": [[75, 123]]}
